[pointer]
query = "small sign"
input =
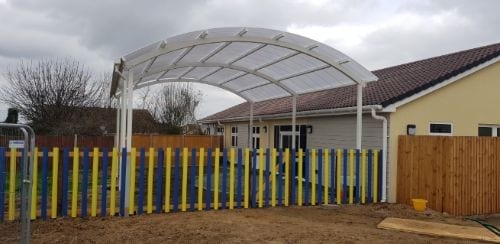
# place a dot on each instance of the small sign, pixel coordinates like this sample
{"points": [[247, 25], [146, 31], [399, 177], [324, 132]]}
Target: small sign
{"points": [[16, 144]]}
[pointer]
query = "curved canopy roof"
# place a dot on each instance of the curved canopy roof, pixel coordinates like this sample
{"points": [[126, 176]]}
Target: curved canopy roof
{"points": [[255, 63]]}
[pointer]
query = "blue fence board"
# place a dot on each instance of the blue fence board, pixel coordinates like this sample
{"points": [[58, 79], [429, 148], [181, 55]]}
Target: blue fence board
{"points": [[65, 184], [254, 178], [239, 179], [177, 168], [320, 176], [45, 169], [142, 173], [369, 183], [280, 177], [358, 188], [293, 199], [307, 178], [332, 175], [2, 182], [85, 181], [266, 178], [159, 181], [344, 186], [224, 179], [123, 181], [192, 175], [208, 192]]}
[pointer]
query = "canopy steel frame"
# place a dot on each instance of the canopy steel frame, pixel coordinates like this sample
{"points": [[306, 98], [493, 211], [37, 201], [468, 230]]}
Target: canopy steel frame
{"points": [[256, 39]]}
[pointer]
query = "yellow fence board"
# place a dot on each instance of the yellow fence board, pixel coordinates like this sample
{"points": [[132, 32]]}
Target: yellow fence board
{"points": [[216, 178], [34, 186], [133, 158], [95, 167], [114, 174], [55, 173]]}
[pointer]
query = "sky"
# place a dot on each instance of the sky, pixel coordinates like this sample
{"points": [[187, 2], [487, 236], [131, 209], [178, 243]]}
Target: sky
{"points": [[376, 33]]}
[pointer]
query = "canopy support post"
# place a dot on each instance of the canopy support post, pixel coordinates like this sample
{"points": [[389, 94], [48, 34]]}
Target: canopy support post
{"points": [[294, 115], [128, 139], [122, 124], [359, 116], [250, 129]]}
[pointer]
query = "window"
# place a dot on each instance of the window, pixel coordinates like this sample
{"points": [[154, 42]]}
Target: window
{"points": [[220, 130], [234, 136], [440, 129], [489, 130], [255, 137]]}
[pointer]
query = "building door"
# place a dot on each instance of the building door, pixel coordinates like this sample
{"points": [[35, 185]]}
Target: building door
{"points": [[286, 139], [283, 136]]}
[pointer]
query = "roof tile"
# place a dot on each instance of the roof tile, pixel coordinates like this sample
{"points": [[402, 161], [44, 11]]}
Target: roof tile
{"points": [[394, 84]]}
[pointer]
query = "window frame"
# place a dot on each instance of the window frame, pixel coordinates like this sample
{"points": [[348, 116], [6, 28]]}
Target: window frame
{"points": [[255, 136], [234, 136], [440, 133], [494, 129]]}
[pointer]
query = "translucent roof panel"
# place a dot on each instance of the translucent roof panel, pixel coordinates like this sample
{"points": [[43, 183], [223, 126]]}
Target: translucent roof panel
{"points": [[255, 63], [245, 82]]}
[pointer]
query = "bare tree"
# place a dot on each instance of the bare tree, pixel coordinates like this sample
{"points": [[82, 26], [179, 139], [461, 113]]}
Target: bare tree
{"points": [[49, 92], [174, 107]]}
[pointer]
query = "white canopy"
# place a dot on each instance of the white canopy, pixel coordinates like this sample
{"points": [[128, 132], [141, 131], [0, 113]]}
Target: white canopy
{"points": [[255, 63]]}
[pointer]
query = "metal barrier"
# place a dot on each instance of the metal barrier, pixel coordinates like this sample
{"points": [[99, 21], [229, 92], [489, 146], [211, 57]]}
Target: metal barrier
{"points": [[27, 177]]}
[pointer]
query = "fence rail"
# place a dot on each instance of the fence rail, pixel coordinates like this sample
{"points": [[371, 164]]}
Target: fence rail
{"points": [[108, 141], [84, 182], [457, 175]]}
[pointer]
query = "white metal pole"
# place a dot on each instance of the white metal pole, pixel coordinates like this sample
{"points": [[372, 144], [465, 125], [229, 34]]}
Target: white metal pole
{"points": [[123, 116], [359, 116], [294, 115], [128, 135], [117, 133], [250, 132]]}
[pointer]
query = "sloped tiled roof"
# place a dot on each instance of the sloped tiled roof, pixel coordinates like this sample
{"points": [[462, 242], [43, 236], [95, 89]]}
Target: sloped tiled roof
{"points": [[394, 84]]}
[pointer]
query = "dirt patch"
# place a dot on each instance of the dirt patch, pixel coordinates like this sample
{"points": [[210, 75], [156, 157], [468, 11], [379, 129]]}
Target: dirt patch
{"points": [[322, 224]]}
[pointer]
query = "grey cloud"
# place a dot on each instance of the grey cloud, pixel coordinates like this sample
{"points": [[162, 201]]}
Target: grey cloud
{"points": [[97, 32]]}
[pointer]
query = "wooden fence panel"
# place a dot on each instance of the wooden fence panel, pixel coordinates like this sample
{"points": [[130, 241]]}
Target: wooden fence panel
{"points": [[458, 175]]}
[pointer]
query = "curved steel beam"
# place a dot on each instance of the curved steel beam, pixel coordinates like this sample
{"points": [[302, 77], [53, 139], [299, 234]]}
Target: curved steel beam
{"points": [[219, 65], [165, 80]]}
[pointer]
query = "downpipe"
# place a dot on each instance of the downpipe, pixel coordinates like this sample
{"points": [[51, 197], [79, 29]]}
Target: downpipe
{"points": [[384, 151]]}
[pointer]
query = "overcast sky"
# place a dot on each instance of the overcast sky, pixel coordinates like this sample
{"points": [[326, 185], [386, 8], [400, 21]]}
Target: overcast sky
{"points": [[376, 33]]}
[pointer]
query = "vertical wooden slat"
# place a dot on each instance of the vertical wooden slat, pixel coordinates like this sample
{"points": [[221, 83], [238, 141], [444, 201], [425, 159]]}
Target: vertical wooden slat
{"points": [[261, 178], [184, 179], [104, 181], [246, 185], [231, 178], [168, 170], [34, 187], [2, 183], [55, 182], [201, 175], [273, 177], [95, 167], [216, 178], [149, 199], [300, 178], [114, 173]]}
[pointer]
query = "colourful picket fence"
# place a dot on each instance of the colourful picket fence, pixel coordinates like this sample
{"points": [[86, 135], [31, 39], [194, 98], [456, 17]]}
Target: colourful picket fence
{"points": [[171, 180]]}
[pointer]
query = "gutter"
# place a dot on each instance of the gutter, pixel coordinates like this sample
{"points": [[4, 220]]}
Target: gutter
{"points": [[302, 114]]}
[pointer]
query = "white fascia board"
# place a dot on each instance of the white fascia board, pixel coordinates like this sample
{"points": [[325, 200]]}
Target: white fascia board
{"points": [[393, 107]]}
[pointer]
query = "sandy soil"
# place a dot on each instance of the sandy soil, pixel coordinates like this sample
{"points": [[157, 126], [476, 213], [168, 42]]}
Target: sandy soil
{"points": [[323, 224]]}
